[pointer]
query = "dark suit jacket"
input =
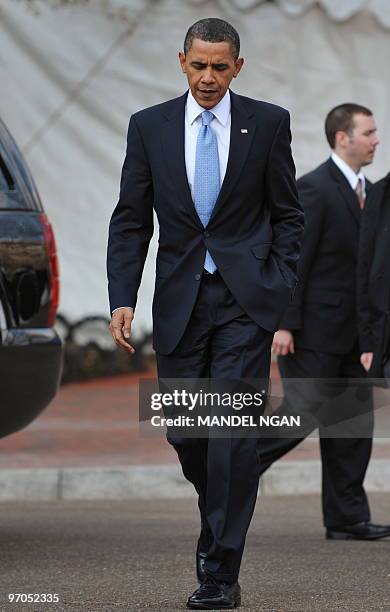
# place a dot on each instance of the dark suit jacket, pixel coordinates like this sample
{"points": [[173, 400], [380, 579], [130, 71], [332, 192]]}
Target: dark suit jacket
{"points": [[323, 312], [374, 275], [253, 234]]}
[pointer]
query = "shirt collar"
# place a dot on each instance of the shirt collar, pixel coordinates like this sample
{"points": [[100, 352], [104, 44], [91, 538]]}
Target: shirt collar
{"points": [[350, 174], [221, 111]]}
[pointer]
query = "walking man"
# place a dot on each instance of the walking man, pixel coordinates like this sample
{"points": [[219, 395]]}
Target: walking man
{"points": [[217, 168]]}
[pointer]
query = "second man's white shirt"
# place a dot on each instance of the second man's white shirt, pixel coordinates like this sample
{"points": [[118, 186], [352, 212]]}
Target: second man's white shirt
{"points": [[350, 174], [221, 127]]}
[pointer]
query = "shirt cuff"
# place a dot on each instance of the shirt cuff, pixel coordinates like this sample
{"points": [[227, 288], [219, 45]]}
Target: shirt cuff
{"points": [[119, 307]]}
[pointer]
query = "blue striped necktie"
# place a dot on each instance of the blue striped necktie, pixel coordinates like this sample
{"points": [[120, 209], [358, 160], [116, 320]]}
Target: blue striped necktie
{"points": [[206, 181]]}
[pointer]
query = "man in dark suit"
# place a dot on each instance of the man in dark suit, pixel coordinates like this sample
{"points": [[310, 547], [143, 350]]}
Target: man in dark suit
{"points": [[374, 282], [217, 168], [318, 338]]}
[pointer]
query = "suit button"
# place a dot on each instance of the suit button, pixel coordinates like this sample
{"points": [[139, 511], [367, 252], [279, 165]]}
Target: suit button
{"points": [[197, 277], [206, 234]]}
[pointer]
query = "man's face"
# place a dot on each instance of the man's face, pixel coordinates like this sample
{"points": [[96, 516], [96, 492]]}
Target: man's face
{"points": [[209, 67], [360, 144]]}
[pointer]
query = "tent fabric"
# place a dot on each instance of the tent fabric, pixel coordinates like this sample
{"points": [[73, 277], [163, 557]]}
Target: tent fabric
{"points": [[71, 76], [338, 10]]}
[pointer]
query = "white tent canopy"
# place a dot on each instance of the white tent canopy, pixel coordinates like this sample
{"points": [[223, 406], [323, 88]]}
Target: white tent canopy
{"points": [[71, 76]]}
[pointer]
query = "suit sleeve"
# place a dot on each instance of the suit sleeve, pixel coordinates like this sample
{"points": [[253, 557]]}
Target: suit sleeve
{"points": [[367, 241], [131, 225], [312, 203], [285, 210]]}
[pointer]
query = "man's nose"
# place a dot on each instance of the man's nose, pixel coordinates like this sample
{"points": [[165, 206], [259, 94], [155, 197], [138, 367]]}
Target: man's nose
{"points": [[208, 76]]}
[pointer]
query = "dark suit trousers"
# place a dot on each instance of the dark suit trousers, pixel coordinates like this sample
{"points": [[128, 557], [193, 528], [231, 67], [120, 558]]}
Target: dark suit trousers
{"points": [[344, 460], [220, 342]]}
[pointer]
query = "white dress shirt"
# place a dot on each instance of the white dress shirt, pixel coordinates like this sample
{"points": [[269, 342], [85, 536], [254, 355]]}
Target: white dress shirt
{"points": [[350, 174], [220, 126]]}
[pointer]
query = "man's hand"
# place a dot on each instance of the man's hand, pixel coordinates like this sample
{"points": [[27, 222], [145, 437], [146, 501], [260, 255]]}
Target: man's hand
{"points": [[120, 328], [283, 342], [366, 360]]}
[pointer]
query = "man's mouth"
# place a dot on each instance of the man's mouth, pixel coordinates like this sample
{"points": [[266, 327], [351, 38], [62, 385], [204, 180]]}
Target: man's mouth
{"points": [[208, 91]]}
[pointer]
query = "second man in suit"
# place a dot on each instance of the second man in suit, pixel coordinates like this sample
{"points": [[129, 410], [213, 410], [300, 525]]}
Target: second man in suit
{"points": [[318, 338]]}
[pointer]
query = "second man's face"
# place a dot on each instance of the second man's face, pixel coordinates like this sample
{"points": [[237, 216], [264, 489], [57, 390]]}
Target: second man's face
{"points": [[209, 67], [363, 140]]}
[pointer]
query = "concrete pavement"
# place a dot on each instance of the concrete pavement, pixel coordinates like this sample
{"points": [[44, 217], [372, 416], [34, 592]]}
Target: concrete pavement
{"points": [[138, 555]]}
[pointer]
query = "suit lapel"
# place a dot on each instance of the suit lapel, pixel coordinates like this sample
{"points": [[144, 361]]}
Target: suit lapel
{"points": [[242, 131], [172, 138], [349, 196]]}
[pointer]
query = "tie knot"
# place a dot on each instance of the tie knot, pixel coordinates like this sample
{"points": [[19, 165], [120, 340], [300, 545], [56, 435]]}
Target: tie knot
{"points": [[207, 117]]}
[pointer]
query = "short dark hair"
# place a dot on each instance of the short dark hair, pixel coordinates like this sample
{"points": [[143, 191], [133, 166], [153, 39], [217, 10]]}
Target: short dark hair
{"points": [[341, 119], [213, 30]]}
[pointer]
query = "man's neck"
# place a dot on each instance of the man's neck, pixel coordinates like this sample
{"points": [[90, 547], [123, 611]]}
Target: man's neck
{"points": [[349, 162]]}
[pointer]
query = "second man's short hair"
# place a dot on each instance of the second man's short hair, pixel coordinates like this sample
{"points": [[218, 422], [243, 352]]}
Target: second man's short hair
{"points": [[341, 119]]}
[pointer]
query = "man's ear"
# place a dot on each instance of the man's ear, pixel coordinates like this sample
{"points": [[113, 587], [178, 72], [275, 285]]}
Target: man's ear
{"points": [[182, 60], [238, 64], [342, 139]]}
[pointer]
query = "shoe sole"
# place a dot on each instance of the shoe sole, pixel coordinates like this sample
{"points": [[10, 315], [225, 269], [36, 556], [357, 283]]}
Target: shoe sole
{"points": [[194, 606], [349, 536]]}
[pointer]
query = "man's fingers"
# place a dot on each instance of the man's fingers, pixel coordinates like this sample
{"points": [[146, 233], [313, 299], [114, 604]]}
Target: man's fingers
{"points": [[127, 325], [280, 348], [366, 360], [121, 342], [120, 328], [117, 334], [283, 342]]}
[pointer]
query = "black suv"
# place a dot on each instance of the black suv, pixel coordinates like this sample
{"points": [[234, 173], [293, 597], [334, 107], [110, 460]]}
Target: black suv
{"points": [[30, 349]]}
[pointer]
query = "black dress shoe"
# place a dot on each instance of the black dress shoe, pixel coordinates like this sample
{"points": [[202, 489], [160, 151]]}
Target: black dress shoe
{"points": [[200, 561], [358, 531], [214, 595]]}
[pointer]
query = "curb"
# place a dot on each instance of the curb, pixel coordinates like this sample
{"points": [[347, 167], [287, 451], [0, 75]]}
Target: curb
{"points": [[164, 481]]}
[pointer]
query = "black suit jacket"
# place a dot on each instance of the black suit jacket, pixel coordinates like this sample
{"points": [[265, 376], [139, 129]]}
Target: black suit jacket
{"points": [[253, 234], [374, 275], [323, 312]]}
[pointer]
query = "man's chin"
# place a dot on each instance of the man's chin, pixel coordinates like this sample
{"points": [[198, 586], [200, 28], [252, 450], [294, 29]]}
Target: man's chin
{"points": [[207, 99]]}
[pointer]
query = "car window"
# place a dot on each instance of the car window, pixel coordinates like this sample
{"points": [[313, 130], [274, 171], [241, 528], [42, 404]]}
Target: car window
{"points": [[10, 196], [6, 181]]}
